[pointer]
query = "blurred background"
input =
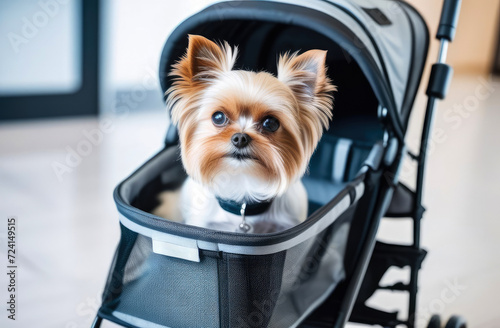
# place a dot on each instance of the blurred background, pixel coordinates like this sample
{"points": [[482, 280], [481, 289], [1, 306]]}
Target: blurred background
{"points": [[81, 108]]}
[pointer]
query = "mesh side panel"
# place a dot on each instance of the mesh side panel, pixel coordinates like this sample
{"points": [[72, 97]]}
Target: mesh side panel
{"points": [[252, 287], [114, 283], [279, 290], [135, 266], [169, 291], [227, 290], [312, 270]]}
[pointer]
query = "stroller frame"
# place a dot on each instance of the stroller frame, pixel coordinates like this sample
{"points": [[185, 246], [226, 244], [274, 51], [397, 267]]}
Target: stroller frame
{"points": [[407, 203], [396, 201]]}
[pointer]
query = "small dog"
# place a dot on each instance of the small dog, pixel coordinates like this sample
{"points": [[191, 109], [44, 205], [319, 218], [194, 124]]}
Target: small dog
{"points": [[246, 138]]}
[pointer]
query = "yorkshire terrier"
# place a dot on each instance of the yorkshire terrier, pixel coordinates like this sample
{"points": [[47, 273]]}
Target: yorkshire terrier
{"points": [[246, 137]]}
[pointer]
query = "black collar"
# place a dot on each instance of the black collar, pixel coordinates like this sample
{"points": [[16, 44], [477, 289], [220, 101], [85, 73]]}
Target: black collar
{"points": [[252, 208]]}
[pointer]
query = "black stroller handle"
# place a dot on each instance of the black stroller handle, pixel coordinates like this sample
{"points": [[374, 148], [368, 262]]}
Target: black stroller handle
{"points": [[449, 20]]}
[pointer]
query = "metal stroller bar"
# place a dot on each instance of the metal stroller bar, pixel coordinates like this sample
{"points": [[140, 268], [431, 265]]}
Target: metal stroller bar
{"points": [[439, 82]]}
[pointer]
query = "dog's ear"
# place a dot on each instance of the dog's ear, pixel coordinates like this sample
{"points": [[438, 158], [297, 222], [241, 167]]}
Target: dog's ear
{"points": [[305, 74], [205, 59]]}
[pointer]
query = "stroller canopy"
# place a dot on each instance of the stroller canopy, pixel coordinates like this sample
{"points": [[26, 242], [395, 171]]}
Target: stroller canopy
{"points": [[376, 48]]}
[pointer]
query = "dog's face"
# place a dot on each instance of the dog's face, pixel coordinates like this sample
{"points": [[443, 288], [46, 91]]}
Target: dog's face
{"points": [[248, 135]]}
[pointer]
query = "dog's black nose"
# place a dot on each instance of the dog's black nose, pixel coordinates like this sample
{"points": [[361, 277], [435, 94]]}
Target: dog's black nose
{"points": [[240, 140]]}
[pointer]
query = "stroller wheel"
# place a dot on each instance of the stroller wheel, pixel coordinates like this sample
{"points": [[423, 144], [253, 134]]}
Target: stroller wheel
{"points": [[435, 322], [456, 322]]}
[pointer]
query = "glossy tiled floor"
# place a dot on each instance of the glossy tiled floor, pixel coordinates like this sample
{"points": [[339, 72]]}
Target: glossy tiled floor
{"points": [[57, 178]]}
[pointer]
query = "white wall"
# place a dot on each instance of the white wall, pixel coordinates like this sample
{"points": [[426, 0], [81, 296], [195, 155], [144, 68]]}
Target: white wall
{"points": [[134, 33], [474, 46]]}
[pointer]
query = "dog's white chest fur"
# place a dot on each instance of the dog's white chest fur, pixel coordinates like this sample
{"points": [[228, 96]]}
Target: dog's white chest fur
{"points": [[200, 208]]}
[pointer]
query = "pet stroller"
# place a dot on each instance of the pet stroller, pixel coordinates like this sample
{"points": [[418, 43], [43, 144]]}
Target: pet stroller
{"points": [[319, 273]]}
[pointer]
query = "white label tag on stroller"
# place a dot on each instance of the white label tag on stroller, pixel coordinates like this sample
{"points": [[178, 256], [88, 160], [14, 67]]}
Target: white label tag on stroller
{"points": [[172, 250]]}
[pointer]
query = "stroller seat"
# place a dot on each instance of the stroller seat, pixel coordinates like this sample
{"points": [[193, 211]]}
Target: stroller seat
{"points": [[335, 162]]}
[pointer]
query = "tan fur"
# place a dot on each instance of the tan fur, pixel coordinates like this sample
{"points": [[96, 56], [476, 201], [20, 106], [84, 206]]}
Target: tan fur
{"points": [[300, 98], [306, 75]]}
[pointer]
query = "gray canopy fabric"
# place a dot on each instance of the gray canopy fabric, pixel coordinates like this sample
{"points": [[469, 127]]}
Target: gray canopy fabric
{"points": [[388, 39]]}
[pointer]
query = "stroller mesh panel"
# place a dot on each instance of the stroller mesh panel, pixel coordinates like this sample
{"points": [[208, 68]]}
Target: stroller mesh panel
{"points": [[252, 282], [230, 290], [310, 273], [169, 291]]}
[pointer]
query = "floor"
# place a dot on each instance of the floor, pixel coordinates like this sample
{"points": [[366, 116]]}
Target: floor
{"points": [[57, 178]]}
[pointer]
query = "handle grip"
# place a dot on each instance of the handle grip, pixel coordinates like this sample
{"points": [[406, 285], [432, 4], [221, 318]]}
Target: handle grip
{"points": [[449, 20]]}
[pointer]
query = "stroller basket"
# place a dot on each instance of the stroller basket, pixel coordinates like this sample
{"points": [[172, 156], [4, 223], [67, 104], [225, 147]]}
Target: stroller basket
{"points": [[167, 274]]}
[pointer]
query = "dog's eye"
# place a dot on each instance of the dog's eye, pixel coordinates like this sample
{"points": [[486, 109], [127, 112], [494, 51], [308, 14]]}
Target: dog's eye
{"points": [[270, 124], [219, 119]]}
